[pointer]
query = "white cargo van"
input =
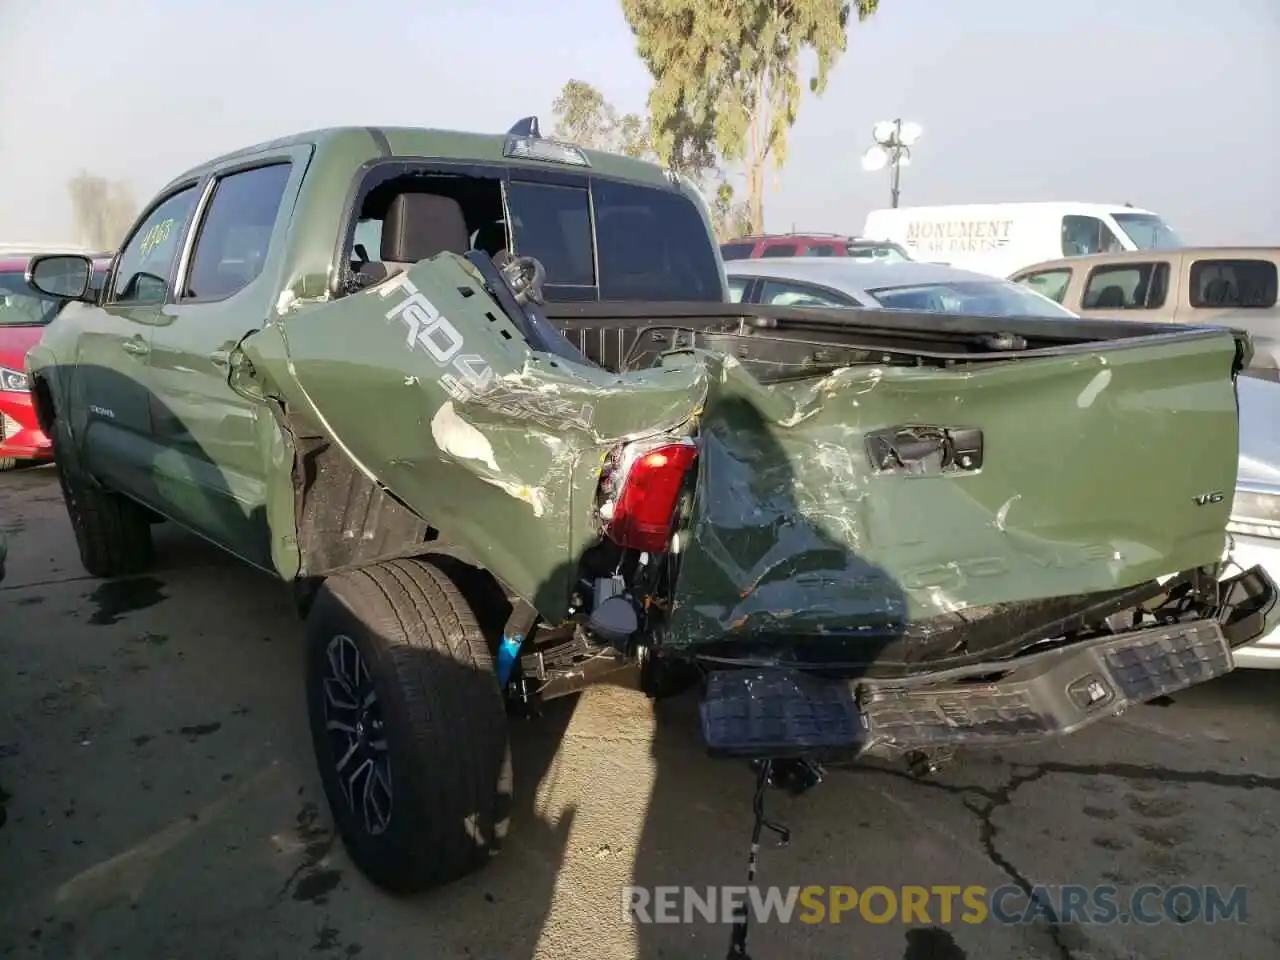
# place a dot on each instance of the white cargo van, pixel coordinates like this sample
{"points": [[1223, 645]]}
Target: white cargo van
{"points": [[1000, 238]]}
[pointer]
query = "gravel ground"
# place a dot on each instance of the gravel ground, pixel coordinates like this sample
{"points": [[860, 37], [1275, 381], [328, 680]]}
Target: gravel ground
{"points": [[160, 800]]}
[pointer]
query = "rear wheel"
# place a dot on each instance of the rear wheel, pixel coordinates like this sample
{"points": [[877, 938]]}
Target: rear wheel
{"points": [[112, 532], [408, 724]]}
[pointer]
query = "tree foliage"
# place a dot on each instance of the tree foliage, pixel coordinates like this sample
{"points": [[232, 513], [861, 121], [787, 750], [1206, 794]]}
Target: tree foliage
{"points": [[729, 216], [103, 210], [726, 76], [583, 116]]}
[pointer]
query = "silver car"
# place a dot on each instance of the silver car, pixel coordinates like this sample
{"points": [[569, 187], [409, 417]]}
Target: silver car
{"points": [[908, 285]]}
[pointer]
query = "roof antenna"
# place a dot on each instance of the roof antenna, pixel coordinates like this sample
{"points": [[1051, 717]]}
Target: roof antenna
{"points": [[526, 127]]}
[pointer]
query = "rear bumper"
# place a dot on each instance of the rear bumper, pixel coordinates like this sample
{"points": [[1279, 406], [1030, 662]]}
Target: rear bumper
{"points": [[20, 433], [773, 712]]}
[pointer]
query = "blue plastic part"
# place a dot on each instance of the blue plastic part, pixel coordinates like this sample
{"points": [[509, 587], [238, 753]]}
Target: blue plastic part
{"points": [[508, 656]]}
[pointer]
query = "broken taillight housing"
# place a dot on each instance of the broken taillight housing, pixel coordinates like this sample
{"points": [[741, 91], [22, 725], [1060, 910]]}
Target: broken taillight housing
{"points": [[643, 491]]}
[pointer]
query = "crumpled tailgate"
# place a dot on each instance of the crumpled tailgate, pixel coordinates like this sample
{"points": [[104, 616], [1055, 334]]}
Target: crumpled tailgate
{"points": [[878, 498]]}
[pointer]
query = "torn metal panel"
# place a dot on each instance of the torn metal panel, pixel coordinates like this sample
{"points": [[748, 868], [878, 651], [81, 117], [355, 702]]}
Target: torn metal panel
{"points": [[874, 498], [433, 393]]}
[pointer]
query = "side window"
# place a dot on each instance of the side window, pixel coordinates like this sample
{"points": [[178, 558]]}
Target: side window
{"points": [[783, 294], [1129, 286], [779, 250], [1048, 283], [553, 225], [1233, 283], [737, 287], [146, 261], [821, 250], [231, 245], [1085, 235]]}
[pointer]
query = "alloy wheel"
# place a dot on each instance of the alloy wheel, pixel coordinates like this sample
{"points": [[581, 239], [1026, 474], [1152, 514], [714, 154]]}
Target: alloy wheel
{"points": [[353, 720]]}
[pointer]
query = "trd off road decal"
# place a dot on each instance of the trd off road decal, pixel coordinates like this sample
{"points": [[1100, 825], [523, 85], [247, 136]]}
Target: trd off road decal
{"points": [[468, 378]]}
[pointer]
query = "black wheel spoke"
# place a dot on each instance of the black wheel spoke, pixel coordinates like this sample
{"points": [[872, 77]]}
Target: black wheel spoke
{"points": [[353, 720]]}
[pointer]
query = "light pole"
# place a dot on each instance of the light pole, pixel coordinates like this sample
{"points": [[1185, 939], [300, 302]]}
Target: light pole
{"points": [[892, 149]]}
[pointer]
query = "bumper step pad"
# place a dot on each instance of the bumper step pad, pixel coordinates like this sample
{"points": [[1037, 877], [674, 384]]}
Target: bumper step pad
{"points": [[775, 712]]}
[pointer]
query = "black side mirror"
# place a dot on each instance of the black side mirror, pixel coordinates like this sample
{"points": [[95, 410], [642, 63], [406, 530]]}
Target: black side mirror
{"points": [[65, 276]]}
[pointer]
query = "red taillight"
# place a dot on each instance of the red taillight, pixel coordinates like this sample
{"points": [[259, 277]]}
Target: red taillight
{"points": [[641, 515]]}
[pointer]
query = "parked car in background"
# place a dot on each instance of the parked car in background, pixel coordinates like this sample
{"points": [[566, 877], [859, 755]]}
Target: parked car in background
{"points": [[1228, 286], [811, 245], [926, 287], [24, 313], [999, 238], [1254, 528]]}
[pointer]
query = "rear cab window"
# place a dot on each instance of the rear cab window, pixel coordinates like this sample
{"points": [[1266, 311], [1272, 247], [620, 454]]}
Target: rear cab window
{"points": [[1048, 283], [651, 243], [1127, 286], [552, 223], [597, 238], [1233, 283]]}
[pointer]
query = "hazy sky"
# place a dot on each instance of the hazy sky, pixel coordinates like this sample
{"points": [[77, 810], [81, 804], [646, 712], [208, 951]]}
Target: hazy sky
{"points": [[1172, 105]]}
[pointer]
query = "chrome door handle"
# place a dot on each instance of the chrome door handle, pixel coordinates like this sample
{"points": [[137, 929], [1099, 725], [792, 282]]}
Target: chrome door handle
{"points": [[137, 346]]}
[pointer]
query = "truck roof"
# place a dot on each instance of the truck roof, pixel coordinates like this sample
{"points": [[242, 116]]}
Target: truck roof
{"points": [[432, 143]]}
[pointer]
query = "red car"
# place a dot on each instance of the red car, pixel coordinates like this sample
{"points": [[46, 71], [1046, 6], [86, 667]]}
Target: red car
{"points": [[23, 316], [811, 245]]}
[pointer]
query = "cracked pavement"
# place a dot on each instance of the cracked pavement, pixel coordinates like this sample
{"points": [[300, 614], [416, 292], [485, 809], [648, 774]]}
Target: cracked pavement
{"points": [[160, 800]]}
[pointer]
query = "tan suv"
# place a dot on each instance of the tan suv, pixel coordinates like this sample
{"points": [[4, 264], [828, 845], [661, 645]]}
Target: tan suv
{"points": [[1227, 286]]}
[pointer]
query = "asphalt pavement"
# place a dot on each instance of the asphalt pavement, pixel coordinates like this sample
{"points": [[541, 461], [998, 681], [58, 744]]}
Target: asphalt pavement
{"points": [[160, 800]]}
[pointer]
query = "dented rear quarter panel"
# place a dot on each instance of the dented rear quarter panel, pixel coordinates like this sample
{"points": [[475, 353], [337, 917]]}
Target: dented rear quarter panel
{"points": [[505, 463]]}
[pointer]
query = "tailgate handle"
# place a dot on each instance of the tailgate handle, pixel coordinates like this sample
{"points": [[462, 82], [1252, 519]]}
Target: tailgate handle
{"points": [[925, 449]]}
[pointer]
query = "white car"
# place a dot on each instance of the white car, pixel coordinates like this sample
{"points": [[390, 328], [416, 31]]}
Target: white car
{"points": [[1254, 531]]}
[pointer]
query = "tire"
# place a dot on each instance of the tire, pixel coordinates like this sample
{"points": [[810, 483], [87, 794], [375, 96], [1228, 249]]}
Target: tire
{"points": [[112, 532], [443, 750], [8, 463]]}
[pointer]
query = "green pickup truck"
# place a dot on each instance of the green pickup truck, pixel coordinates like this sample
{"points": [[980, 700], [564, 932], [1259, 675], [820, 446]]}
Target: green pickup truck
{"points": [[482, 400]]}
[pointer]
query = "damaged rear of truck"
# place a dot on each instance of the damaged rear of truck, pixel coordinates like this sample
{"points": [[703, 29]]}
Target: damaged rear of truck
{"points": [[861, 538], [858, 533]]}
